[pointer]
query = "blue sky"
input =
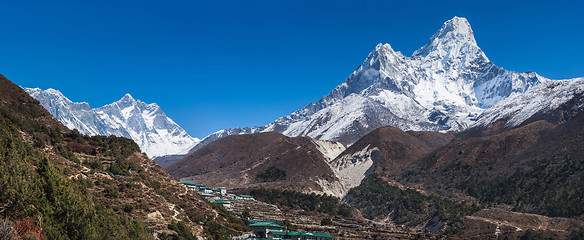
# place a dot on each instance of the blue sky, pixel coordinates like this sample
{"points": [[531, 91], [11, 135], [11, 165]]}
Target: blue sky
{"points": [[219, 64]]}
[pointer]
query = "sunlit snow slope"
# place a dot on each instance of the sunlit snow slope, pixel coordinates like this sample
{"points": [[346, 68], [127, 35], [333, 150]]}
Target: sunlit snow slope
{"points": [[543, 98]]}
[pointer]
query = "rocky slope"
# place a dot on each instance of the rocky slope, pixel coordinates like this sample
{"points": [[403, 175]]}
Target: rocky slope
{"points": [[384, 151], [156, 134]]}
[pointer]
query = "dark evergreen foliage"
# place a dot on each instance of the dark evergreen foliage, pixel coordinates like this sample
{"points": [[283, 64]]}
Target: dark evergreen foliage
{"points": [[309, 202], [326, 222], [551, 187], [375, 198], [272, 174], [32, 187]]}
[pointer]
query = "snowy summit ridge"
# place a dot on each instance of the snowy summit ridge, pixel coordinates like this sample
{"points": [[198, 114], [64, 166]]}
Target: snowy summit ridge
{"points": [[455, 33], [155, 133], [445, 85]]}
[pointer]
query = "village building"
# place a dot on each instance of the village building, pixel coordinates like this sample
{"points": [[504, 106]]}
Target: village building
{"points": [[204, 189], [219, 190], [260, 228], [275, 230], [286, 235], [209, 196], [191, 185], [245, 197], [223, 202]]}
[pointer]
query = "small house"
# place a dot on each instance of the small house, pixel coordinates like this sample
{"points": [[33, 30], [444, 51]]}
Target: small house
{"points": [[188, 183], [260, 228], [191, 185], [286, 235], [246, 197], [219, 190], [224, 202], [209, 196], [203, 189]]}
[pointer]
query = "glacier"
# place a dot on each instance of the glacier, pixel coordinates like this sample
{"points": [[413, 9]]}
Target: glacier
{"points": [[155, 133]]}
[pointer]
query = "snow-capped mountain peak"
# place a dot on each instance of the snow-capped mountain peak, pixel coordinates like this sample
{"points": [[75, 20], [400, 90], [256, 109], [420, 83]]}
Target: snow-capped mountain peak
{"points": [[455, 37], [457, 28], [155, 133], [443, 86], [127, 98]]}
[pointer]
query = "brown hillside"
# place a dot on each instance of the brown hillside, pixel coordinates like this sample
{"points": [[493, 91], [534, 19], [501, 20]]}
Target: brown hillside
{"points": [[398, 148], [240, 160], [535, 168], [78, 187]]}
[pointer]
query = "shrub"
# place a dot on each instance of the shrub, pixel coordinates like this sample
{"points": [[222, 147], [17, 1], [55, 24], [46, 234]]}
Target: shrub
{"points": [[94, 164], [28, 229], [81, 148], [309, 202], [289, 226], [7, 230], [272, 174], [181, 230], [326, 222], [128, 208]]}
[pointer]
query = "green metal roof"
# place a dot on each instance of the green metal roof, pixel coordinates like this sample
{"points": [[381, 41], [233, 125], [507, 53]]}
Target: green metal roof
{"points": [[222, 202], [188, 183], [245, 196], [284, 233], [317, 234], [257, 223]]}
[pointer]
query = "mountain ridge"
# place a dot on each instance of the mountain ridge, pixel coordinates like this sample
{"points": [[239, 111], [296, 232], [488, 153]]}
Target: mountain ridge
{"points": [[443, 86], [156, 134], [238, 161]]}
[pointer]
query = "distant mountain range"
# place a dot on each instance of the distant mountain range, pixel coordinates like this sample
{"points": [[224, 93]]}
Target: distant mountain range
{"points": [[155, 133], [447, 85]]}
